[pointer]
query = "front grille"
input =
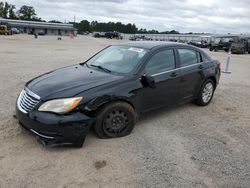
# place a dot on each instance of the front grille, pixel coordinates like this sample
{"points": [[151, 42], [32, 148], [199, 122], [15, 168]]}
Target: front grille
{"points": [[27, 100]]}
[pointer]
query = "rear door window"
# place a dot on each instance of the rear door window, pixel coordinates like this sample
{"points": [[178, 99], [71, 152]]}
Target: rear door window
{"points": [[188, 57]]}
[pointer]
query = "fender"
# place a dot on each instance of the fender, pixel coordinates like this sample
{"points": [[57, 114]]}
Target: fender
{"points": [[97, 102], [212, 77]]}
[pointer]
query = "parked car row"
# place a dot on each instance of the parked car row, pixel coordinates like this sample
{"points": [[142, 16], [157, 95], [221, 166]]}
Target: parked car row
{"points": [[138, 37], [144, 38], [237, 44]]}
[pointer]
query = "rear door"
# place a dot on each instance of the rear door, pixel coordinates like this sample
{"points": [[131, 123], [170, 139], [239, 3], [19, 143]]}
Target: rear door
{"points": [[192, 75]]}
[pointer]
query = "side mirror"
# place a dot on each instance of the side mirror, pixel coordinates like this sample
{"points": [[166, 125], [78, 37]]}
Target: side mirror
{"points": [[148, 81]]}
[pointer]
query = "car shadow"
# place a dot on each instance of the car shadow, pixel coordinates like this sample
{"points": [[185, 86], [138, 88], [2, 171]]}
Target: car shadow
{"points": [[158, 113], [154, 114]]}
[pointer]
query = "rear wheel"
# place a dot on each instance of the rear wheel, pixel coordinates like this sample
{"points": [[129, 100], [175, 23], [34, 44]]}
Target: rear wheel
{"points": [[115, 120], [206, 93]]}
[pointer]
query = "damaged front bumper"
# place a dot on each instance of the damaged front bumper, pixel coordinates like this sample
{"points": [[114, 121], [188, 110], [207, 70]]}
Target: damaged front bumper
{"points": [[53, 129]]}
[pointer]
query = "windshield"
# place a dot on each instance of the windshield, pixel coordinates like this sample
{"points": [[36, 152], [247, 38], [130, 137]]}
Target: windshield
{"points": [[217, 40], [118, 59]]}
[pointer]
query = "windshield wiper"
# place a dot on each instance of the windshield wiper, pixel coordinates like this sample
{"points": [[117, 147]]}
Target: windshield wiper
{"points": [[100, 67]]}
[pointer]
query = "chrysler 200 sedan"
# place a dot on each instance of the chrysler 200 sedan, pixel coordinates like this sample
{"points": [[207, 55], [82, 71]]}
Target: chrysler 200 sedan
{"points": [[111, 89]]}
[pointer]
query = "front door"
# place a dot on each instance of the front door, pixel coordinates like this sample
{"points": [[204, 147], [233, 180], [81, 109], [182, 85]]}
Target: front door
{"points": [[162, 67]]}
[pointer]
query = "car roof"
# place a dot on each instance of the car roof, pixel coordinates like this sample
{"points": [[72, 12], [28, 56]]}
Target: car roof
{"points": [[153, 44]]}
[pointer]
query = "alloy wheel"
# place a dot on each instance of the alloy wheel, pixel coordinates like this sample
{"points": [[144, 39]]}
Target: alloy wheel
{"points": [[207, 92]]}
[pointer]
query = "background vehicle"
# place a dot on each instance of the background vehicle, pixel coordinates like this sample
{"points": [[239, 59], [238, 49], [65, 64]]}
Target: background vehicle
{"points": [[31, 32], [137, 37], [239, 46], [85, 33], [98, 34], [5, 30], [140, 38], [41, 33], [112, 88], [111, 35], [248, 44], [206, 41], [195, 43], [222, 43], [15, 31]]}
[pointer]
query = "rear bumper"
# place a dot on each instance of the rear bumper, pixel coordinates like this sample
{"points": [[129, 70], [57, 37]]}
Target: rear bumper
{"points": [[53, 129], [217, 76]]}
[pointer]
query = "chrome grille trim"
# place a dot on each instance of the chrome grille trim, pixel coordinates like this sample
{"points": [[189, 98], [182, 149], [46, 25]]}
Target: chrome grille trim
{"points": [[41, 135], [27, 100]]}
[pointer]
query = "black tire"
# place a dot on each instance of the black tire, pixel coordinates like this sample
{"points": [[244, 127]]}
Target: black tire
{"points": [[200, 100], [115, 120]]}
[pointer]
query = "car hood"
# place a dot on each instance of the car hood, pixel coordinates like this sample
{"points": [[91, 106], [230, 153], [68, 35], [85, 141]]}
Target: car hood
{"points": [[69, 81]]}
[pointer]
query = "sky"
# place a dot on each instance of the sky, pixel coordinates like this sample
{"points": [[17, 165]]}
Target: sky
{"points": [[209, 16]]}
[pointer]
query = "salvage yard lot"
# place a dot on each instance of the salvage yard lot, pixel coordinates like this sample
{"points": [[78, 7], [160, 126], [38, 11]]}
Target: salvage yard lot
{"points": [[187, 146]]}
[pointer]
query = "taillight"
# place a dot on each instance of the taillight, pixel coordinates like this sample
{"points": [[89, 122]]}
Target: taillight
{"points": [[218, 64]]}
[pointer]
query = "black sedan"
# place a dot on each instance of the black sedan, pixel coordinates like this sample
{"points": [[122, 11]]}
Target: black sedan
{"points": [[111, 89]]}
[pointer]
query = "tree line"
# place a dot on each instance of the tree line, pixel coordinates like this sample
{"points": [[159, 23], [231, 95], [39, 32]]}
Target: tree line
{"points": [[94, 26], [9, 11], [28, 13]]}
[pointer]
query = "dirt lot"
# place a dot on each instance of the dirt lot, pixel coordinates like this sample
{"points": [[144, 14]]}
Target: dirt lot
{"points": [[187, 146]]}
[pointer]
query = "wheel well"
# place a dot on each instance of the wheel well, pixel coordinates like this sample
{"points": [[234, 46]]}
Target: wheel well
{"points": [[213, 79], [113, 101]]}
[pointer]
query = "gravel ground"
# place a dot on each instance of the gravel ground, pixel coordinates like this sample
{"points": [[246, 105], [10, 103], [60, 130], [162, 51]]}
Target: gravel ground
{"points": [[187, 146]]}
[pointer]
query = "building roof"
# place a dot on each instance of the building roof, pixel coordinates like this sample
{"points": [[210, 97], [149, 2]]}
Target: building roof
{"points": [[34, 24]]}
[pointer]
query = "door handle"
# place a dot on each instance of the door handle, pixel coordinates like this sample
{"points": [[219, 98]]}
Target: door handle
{"points": [[200, 66], [174, 74]]}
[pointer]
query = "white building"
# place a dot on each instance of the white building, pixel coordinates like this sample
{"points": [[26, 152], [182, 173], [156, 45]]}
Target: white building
{"points": [[46, 28]]}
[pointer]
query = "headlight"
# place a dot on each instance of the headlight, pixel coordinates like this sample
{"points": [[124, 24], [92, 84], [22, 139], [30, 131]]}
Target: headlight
{"points": [[60, 105]]}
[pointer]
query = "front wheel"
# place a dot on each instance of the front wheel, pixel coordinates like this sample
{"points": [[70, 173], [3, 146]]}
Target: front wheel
{"points": [[206, 93], [115, 120]]}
